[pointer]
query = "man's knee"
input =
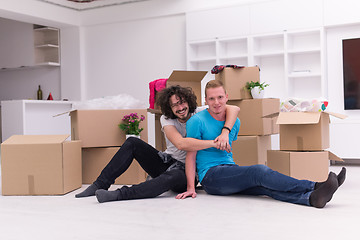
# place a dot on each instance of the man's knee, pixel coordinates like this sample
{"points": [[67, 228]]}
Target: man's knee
{"points": [[177, 179], [260, 168]]}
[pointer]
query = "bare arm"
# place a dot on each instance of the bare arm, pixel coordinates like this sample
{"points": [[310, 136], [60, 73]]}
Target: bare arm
{"points": [[223, 139], [190, 165], [186, 144]]}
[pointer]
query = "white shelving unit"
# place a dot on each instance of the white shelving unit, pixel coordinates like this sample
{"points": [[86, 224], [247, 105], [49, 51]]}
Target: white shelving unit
{"points": [[46, 44], [292, 62]]}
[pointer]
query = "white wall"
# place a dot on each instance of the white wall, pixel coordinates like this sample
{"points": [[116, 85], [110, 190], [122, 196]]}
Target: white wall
{"points": [[125, 57]]}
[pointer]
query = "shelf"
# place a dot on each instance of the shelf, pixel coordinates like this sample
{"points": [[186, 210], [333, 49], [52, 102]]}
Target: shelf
{"points": [[304, 51], [38, 65], [268, 43], [269, 54], [300, 40], [203, 50], [240, 61], [303, 75], [45, 29], [199, 60], [47, 46], [47, 64], [231, 47]]}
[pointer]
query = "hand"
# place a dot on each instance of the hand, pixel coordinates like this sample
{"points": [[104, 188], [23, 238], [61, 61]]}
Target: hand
{"points": [[222, 142], [188, 193]]}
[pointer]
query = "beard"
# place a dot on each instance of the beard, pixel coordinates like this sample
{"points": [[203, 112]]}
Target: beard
{"points": [[181, 116]]}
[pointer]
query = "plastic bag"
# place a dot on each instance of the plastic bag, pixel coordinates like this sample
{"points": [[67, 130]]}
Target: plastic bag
{"points": [[122, 101], [304, 105]]}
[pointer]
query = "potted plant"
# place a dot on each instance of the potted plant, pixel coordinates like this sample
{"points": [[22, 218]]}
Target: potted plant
{"points": [[256, 88], [130, 125]]}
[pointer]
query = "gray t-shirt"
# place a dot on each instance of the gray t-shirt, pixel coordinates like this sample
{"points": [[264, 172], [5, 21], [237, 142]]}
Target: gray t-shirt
{"points": [[181, 127]]}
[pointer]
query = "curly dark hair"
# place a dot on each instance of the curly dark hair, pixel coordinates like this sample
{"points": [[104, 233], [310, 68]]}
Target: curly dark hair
{"points": [[184, 93]]}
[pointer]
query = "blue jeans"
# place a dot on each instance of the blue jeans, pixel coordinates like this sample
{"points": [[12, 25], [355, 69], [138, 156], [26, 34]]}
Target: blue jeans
{"points": [[256, 180]]}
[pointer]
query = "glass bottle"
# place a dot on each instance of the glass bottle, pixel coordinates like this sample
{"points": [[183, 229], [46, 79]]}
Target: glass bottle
{"points": [[39, 94]]}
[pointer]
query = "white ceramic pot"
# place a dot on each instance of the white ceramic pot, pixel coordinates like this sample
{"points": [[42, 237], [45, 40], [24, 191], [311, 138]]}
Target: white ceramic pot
{"points": [[132, 135], [256, 92]]}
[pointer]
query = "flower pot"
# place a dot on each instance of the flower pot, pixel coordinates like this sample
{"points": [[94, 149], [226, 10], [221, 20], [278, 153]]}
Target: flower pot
{"points": [[132, 135], [257, 92]]}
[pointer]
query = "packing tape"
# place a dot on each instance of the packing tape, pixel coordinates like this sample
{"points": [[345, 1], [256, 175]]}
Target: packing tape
{"points": [[300, 143], [31, 184]]}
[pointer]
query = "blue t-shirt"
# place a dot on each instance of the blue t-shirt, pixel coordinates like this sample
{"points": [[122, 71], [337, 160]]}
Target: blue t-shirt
{"points": [[204, 127]]}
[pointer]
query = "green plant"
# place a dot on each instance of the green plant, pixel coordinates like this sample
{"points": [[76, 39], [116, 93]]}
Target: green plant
{"points": [[251, 85], [131, 124]]}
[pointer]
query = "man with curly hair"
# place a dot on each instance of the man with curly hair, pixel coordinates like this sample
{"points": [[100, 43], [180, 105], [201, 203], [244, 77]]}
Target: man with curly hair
{"points": [[167, 169]]}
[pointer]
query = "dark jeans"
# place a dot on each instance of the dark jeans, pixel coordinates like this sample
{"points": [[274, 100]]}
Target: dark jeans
{"points": [[151, 162], [256, 180]]}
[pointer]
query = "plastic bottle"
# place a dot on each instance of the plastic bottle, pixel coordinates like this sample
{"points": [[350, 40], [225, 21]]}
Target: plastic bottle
{"points": [[39, 94]]}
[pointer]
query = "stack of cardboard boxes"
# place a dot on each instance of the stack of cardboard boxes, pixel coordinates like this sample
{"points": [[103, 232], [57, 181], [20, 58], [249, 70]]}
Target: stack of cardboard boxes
{"points": [[101, 138], [190, 79], [254, 138], [304, 136], [51, 165]]}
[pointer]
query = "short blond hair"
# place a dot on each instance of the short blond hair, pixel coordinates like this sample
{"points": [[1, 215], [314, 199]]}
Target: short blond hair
{"points": [[214, 84]]}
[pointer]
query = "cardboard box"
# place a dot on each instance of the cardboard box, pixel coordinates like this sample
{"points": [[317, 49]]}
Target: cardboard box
{"points": [[312, 166], [95, 159], [99, 128], [305, 131], [40, 165], [251, 150], [235, 79], [252, 116], [160, 142], [190, 79]]}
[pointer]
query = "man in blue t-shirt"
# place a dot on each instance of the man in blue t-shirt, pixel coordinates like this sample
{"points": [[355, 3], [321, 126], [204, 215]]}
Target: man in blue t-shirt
{"points": [[219, 175]]}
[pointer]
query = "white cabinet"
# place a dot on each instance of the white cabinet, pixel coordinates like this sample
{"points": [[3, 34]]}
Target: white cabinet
{"points": [[280, 15], [292, 62], [34, 117], [221, 22], [341, 12], [46, 44], [31, 46]]}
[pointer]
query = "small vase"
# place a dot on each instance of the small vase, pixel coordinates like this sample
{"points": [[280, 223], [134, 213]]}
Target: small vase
{"points": [[256, 92], [132, 135]]}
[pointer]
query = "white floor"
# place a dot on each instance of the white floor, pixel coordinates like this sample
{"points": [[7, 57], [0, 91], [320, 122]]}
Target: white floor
{"points": [[206, 217]]}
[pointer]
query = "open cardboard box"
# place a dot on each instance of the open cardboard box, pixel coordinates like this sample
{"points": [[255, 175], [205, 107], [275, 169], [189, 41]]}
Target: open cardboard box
{"points": [[312, 166], [40, 165], [251, 115], [190, 79], [305, 131], [99, 128], [235, 79]]}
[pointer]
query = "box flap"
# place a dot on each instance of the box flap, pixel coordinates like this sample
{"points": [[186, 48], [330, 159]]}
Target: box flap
{"points": [[63, 113], [333, 157], [298, 118], [338, 115], [187, 76], [36, 139]]}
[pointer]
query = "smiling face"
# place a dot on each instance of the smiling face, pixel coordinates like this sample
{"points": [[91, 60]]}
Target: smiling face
{"points": [[216, 98], [180, 108]]}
